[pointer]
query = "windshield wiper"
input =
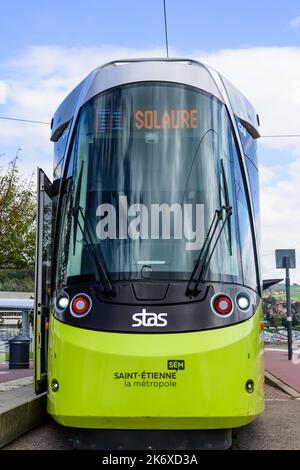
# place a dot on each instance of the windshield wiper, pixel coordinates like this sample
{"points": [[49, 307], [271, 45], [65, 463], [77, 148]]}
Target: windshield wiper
{"points": [[205, 254], [101, 273]]}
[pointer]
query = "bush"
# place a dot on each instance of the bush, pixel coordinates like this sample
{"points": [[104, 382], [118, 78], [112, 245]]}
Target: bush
{"points": [[17, 280]]}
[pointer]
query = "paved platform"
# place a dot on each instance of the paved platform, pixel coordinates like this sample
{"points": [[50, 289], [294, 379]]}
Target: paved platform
{"points": [[277, 364], [278, 428], [7, 374]]}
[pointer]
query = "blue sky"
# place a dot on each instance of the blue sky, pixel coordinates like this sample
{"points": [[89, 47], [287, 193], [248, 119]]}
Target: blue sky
{"points": [[47, 47], [192, 24]]}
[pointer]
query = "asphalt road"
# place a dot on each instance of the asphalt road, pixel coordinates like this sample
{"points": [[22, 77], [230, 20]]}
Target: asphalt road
{"points": [[7, 374], [278, 428]]}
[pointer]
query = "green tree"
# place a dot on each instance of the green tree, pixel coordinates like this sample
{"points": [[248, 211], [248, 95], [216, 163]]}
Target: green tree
{"points": [[276, 321], [17, 218]]}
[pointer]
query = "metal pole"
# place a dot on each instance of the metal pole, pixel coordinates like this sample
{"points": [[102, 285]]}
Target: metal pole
{"points": [[25, 323], [166, 28], [288, 308]]}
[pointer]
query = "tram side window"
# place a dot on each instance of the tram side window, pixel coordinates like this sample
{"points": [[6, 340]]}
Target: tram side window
{"points": [[64, 237], [65, 257], [65, 226], [246, 239], [248, 142], [228, 242], [66, 216], [254, 186]]}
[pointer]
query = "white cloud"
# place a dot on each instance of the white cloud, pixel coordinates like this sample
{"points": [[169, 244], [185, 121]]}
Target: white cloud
{"points": [[2, 92], [38, 80], [295, 23], [270, 78], [35, 83]]}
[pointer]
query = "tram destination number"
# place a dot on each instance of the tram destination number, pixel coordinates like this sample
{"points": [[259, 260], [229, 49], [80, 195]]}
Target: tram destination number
{"points": [[150, 459]]}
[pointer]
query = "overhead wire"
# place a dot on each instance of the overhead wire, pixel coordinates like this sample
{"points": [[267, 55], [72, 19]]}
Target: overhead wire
{"points": [[166, 28], [24, 120]]}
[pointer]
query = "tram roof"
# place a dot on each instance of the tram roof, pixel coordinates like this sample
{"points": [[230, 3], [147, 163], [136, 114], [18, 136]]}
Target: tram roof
{"points": [[184, 71]]}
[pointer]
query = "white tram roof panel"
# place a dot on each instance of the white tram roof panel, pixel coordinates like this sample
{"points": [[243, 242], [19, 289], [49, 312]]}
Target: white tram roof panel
{"points": [[184, 71]]}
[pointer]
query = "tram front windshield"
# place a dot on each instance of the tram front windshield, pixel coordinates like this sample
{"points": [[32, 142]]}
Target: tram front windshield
{"points": [[146, 171]]}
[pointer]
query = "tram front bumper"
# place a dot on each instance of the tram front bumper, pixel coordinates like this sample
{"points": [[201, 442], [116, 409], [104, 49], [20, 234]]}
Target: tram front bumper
{"points": [[192, 380]]}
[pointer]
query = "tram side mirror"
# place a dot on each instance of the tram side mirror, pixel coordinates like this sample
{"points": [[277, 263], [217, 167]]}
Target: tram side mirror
{"points": [[270, 282]]}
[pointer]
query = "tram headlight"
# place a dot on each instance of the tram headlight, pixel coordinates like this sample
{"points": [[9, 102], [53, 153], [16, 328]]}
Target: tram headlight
{"points": [[243, 301], [62, 302], [81, 305]]}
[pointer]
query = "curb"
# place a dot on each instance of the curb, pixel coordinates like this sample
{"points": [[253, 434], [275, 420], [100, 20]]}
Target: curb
{"points": [[22, 418], [275, 382]]}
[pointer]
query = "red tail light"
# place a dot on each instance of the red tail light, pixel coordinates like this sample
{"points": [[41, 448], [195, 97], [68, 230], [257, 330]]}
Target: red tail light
{"points": [[222, 305], [80, 305]]}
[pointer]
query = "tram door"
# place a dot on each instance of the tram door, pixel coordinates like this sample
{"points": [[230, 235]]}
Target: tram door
{"points": [[42, 280]]}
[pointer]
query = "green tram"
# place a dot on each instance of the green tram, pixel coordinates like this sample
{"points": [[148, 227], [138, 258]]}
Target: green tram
{"points": [[148, 318]]}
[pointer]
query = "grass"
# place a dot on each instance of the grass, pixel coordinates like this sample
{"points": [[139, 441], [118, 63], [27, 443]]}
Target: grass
{"points": [[17, 280], [295, 293]]}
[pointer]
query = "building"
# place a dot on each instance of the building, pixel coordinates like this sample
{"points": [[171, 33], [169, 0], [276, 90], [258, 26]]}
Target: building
{"points": [[10, 319]]}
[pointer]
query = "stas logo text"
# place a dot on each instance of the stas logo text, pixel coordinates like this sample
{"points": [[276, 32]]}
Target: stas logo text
{"points": [[146, 319]]}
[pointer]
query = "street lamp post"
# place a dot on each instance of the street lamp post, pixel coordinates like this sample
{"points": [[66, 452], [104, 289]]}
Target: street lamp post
{"points": [[288, 307], [286, 259]]}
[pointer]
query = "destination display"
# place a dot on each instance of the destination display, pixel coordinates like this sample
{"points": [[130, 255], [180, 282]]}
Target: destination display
{"points": [[108, 120], [171, 119]]}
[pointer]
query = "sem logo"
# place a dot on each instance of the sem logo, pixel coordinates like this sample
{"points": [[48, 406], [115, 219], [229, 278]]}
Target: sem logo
{"points": [[149, 319], [176, 364]]}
